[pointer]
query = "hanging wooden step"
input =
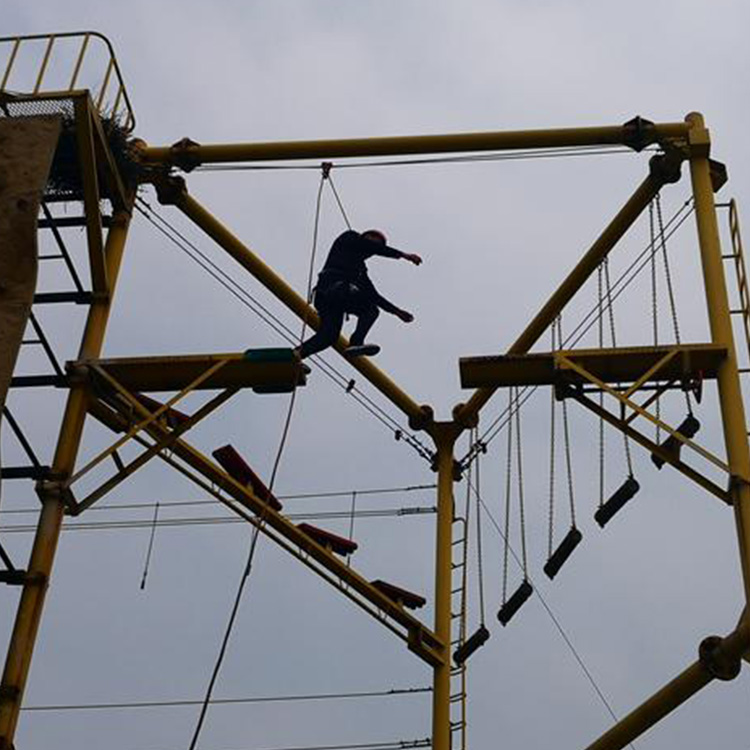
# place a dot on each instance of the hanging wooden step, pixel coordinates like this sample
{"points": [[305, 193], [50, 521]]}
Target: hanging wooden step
{"points": [[237, 468], [338, 544], [405, 598]]}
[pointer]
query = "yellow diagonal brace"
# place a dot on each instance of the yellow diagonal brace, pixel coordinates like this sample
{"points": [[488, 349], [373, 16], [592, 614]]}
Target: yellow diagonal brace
{"points": [[163, 442], [586, 266], [644, 378], [148, 420], [635, 407], [426, 644], [671, 696], [653, 447]]}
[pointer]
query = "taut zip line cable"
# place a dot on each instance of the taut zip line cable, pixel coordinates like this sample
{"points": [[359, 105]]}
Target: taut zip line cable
{"points": [[520, 155], [115, 706]]}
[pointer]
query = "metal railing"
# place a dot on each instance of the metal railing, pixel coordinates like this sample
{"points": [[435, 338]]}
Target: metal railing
{"points": [[108, 92]]}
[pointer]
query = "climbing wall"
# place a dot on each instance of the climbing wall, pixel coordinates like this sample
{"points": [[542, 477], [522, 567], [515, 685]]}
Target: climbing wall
{"points": [[27, 146]]}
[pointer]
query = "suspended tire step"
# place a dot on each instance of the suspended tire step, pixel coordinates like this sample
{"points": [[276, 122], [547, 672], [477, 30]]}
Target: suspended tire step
{"points": [[405, 598], [562, 553], [237, 468], [338, 544], [519, 598], [625, 492], [472, 644], [688, 428]]}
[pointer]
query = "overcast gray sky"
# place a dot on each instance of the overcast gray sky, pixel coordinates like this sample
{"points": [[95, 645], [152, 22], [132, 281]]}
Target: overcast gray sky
{"points": [[636, 598]]}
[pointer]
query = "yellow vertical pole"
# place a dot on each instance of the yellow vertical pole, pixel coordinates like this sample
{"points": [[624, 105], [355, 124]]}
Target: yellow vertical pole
{"points": [[444, 435], [29, 613], [730, 393]]}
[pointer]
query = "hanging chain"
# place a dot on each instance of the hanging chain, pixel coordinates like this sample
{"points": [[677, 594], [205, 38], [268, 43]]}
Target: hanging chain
{"points": [[654, 301], [551, 458], [600, 287], [519, 465], [670, 288], [508, 475], [480, 567], [327, 167], [610, 305], [566, 440]]}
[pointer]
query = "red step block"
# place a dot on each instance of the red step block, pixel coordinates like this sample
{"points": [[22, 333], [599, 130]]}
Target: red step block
{"points": [[408, 599], [237, 468], [338, 544]]}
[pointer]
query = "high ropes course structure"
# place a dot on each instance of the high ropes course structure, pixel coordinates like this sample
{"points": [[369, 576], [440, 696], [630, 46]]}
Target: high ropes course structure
{"points": [[75, 145]]}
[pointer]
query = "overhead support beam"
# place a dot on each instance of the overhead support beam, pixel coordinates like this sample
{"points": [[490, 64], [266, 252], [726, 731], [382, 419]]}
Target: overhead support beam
{"points": [[719, 659], [663, 169], [174, 192], [187, 154]]}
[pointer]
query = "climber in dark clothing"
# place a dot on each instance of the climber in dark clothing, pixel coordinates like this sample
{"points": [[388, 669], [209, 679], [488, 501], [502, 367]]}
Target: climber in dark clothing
{"points": [[344, 287]]}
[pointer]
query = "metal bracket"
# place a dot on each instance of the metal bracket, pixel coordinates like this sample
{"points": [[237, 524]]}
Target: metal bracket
{"points": [[717, 662]]}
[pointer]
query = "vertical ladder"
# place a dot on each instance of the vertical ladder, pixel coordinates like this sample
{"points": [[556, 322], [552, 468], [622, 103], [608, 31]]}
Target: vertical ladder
{"points": [[458, 632], [743, 293]]}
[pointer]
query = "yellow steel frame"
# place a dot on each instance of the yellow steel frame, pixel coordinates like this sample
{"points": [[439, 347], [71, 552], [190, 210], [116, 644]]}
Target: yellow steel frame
{"points": [[119, 408]]}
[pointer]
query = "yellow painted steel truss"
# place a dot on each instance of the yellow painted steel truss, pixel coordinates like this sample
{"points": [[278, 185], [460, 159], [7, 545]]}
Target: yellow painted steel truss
{"points": [[109, 390]]}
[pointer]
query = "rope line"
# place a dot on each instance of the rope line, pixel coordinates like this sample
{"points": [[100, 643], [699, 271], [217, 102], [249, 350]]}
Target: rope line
{"points": [[413, 510], [115, 706], [150, 546], [296, 496]]}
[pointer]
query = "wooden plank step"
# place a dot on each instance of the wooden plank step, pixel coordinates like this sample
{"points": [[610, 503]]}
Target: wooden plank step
{"points": [[237, 468], [338, 544], [407, 599]]}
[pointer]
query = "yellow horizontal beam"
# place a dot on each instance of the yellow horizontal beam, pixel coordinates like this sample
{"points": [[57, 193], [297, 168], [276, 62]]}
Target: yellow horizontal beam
{"points": [[194, 154], [620, 365], [174, 373]]}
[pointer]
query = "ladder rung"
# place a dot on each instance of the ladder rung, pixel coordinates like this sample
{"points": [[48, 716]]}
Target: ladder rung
{"points": [[730, 256]]}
